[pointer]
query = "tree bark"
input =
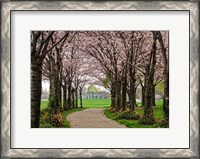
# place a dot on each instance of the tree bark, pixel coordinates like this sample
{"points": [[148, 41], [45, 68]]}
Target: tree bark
{"points": [[36, 89], [81, 101], [132, 90], [50, 83], [153, 103], [55, 98], [60, 92], [166, 77], [143, 95], [69, 96], [73, 98], [76, 97], [118, 95], [65, 95], [148, 111], [150, 70], [124, 90], [113, 96], [166, 95]]}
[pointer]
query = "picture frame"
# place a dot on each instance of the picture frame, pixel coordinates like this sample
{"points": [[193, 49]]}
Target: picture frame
{"points": [[7, 8]]}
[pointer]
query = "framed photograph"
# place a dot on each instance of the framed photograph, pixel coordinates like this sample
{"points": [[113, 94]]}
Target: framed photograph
{"points": [[99, 79]]}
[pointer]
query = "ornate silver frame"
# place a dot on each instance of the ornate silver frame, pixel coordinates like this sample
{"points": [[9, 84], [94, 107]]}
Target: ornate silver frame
{"points": [[8, 6]]}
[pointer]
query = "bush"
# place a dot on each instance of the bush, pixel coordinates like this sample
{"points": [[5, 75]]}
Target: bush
{"points": [[147, 121], [128, 115], [57, 120], [45, 118], [164, 123]]}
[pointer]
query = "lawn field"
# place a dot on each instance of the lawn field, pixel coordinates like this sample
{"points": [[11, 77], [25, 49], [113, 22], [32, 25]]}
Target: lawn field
{"points": [[87, 103], [44, 104], [158, 114], [96, 103]]}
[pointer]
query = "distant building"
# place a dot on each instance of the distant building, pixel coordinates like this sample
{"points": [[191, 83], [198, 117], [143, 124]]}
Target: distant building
{"points": [[100, 95]]}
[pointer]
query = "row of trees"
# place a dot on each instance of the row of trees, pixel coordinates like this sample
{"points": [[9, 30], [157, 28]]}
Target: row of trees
{"points": [[54, 58], [129, 59], [119, 60]]}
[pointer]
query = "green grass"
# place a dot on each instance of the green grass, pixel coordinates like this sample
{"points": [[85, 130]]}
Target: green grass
{"points": [[96, 103], [43, 105], [158, 114], [87, 103]]}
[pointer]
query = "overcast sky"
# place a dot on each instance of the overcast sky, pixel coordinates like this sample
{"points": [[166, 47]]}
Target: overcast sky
{"points": [[45, 85]]}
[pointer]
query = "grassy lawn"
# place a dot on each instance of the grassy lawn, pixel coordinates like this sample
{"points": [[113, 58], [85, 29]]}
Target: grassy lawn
{"points": [[87, 103], [44, 105], [96, 103], [158, 113]]}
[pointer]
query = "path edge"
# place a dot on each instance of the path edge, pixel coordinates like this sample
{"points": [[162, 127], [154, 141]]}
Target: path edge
{"points": [[113, 120]]}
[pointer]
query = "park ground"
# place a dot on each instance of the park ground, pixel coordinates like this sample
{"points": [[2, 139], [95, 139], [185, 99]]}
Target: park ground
{"points": [[104, 104]]}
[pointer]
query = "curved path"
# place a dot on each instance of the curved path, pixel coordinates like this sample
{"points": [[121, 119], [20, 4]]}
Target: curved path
{"points": [[92, 118]]}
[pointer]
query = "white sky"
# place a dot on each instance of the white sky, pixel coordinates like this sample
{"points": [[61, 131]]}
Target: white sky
{"points": [[45, 85]]}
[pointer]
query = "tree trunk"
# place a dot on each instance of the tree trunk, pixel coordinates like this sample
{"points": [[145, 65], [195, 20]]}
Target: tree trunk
{"points": [[58, 78], [128, 95], [113, 96], [55, 99], [81, 101], [51, 72], [150, 70], [124, 90], [36, 89], [53, 96], [65, 95], [166, 78], [148, 111], [143, 95], [73, 98], [60, 93], [76, 98], [132, 91], [153, 103], [166, 96], [69, 96], [118, 95], [123, 99]]}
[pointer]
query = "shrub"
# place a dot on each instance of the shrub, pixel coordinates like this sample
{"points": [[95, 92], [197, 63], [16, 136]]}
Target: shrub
{"points": [[57, 120], [147, 121], [45, 118], [128, 115], [164, 123]]}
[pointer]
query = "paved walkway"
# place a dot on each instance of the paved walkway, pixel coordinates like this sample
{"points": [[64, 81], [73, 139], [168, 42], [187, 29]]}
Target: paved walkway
{"points": [[92, 118]]}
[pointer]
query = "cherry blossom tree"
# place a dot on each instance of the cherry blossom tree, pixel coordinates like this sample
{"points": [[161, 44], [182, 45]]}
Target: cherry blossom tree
{"points": [[163, 40], [39, 49], [121, 61]]}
